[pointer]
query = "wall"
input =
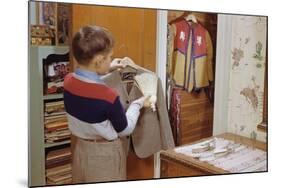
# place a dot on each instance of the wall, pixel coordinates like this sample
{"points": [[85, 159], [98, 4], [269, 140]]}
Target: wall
{"points": [[134, 30], [246, 79]]}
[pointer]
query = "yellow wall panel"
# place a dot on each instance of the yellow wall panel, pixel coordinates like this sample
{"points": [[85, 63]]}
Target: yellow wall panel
{"points": [[134, 30]]}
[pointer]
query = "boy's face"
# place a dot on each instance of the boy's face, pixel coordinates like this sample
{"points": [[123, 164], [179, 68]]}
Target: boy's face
{"points": [[105, 63]]}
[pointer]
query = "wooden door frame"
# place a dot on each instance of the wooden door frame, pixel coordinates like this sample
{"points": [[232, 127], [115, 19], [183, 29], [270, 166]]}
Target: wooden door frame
{"points": [[161, 46], [161, 59], [223, 59]]}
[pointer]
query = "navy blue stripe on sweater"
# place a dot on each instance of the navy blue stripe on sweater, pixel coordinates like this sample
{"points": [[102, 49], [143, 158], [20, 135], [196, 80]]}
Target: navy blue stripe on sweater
{"points": [[117, 116], [96, 110]]}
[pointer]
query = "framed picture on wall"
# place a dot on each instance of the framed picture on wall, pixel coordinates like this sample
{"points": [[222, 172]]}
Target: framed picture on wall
{"points": [[63, 20], [47, 14]]}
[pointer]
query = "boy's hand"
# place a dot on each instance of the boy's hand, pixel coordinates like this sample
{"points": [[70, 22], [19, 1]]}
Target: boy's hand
{"points": [[150, 102], [117, 63], [127, 61]]}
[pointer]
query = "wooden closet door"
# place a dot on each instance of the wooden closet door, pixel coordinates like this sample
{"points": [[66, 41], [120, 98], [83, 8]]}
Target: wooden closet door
{"points": [[134, 31]]}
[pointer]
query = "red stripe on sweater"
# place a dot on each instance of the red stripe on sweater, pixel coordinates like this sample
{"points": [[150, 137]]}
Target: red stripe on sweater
{"points": [[89, 90]]}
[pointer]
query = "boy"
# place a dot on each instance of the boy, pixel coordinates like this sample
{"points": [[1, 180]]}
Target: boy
{"points": [[96, 117]]}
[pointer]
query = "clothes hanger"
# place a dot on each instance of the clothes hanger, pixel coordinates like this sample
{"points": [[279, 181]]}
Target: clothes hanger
{"points": [[129, 75], [191, 17], [131, 64], [129, 71]]}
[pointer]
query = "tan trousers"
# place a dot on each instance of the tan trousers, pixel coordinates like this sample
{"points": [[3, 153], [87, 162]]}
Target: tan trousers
{"points": [[97, 161]]}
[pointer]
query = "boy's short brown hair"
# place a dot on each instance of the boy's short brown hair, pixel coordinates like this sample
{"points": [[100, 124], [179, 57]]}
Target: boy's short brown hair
{"points": [[90, 41]]}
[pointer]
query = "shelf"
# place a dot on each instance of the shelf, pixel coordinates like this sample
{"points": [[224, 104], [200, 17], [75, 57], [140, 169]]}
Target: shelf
{"points": [[37, 111], [49, 145], [53, 96]]}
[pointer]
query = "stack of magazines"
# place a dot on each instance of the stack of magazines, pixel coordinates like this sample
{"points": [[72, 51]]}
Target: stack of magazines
{"points": [[56, 126], [58, 166]]}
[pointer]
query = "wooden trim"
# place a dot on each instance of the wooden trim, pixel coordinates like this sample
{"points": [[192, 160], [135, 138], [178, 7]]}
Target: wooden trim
{"points": [[190, 162], [262, 127], [245, 140]]}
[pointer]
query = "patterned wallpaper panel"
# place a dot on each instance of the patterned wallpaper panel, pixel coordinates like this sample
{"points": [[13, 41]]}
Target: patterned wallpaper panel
{"points": [[248, 58]]}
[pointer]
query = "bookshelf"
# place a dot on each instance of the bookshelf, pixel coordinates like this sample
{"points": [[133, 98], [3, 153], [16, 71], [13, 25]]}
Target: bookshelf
{"points": [[37, 147]]}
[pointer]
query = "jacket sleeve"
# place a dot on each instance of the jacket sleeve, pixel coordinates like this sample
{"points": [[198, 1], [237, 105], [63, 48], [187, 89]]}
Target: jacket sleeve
{"points": [[209, 57], [165, 127]]}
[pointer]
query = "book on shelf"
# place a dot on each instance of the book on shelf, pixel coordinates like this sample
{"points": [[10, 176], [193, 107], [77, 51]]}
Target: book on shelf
{"points": [[55, 122], [53, 87], [57, 158], [57, 140], [53, 108], [57, 128], [66, 181], [54, 103], [60, 138], [56, 125], [63, 118], [58, 133], [58, 153], [54, 114], [63, 169], [57, 163], [57, 136], [54, 117], [59, 174], [60, 177]]}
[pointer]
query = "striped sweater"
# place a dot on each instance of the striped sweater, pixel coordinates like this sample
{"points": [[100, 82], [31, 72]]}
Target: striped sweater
{"points": [[94, 110]]}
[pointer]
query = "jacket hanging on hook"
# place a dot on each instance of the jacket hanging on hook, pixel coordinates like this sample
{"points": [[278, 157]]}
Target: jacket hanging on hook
{"points": [[190, 64]]}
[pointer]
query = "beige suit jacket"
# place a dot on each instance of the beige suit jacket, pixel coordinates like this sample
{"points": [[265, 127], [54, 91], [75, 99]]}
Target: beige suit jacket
{"points": [[153, 130]]}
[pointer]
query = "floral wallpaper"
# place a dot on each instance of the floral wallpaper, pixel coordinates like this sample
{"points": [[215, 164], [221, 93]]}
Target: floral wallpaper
{"points": [[245, 101]]}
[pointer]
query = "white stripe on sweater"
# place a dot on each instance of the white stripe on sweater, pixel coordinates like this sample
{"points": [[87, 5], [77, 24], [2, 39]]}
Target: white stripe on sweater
{"points": [[104, 129], [91, 130]]}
